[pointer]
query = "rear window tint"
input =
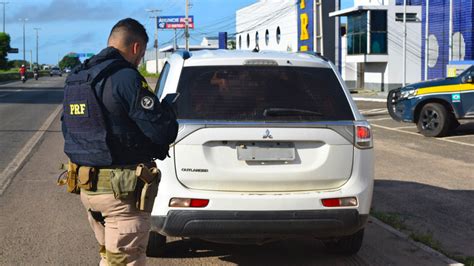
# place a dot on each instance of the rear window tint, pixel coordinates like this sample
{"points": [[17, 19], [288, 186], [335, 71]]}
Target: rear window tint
{"points": [[261, 93]]}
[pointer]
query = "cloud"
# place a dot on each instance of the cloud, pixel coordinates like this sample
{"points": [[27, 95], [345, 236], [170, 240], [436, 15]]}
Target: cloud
{"points": [[84, 38], [71, 10]]}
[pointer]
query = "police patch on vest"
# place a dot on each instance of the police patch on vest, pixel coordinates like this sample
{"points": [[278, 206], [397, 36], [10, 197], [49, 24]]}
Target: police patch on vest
{"points": [[147, 102], [78, 109]]}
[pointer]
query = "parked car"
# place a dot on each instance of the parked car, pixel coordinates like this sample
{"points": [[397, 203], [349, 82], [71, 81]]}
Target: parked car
{"points": [[55, 71], [434, 106], [270, 145]]}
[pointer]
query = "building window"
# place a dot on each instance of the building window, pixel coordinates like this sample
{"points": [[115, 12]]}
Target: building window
{"points": [[459, 47], [256, 39], [278, 35], [240, 41], [411, 17], [409, 2], [248, 40], [267, 37], [433, 51], [357, 34], [378, 32]]}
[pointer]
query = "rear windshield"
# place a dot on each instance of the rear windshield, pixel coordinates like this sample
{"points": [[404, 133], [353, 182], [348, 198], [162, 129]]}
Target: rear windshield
{"points": [[261, 93]]}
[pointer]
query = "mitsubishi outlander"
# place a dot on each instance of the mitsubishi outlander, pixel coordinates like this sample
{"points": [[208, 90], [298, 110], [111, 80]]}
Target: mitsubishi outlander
{"points": [[270, 146]]}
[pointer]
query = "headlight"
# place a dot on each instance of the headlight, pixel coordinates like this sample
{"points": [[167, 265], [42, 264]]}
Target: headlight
{"points": [[408, 93]]}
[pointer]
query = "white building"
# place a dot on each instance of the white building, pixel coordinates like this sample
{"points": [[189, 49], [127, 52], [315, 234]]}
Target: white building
{"points": [[372, 48], [272, 24], [212, 42]]}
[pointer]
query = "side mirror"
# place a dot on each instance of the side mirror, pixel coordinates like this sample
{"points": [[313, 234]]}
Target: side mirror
{"points": [[468, 79]]}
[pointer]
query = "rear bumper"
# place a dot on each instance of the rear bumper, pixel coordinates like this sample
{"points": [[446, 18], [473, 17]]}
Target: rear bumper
{"points": [[257, 224]]}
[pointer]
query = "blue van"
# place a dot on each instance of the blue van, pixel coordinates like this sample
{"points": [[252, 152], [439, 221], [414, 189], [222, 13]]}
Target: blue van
{"points": [[434, 106]]}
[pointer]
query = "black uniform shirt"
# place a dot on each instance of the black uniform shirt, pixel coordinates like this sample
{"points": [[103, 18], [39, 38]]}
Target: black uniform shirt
{"points": [[141, 127]]}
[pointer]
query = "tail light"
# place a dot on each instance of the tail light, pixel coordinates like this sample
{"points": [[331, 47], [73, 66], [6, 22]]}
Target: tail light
{"points": [[363, 136], [340, 202], [186, 202]]}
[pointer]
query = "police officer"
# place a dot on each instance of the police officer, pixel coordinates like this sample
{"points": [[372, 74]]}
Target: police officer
{"points": [[112, 121]]}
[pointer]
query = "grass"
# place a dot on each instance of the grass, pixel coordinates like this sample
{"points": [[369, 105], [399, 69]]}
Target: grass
{"points": [[143, 72], [427, 239], [397, 222], [12, 74], [2, 71], [392, 219]]}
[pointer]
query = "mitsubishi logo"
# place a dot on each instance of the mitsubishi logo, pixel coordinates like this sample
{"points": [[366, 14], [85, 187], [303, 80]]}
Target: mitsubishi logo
{"points": [[267, 135]]}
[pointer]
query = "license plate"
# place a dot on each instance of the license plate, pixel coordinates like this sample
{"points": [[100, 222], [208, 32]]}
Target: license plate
{"points": [[266, 151]]}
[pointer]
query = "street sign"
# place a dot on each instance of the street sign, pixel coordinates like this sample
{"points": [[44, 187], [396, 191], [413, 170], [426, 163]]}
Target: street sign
{"points": [[175, 22], [13, 51], [80, 55]]}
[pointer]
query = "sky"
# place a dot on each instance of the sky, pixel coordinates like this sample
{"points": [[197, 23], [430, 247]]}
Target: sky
{"points": [[82, 26]]}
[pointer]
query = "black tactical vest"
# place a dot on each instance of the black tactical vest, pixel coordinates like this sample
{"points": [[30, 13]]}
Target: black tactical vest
{"points": [[86, 129]]}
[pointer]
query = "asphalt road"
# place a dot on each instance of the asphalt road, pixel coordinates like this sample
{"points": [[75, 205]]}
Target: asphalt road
{"points": [[427, 183], [23, 109], [41, 224]]}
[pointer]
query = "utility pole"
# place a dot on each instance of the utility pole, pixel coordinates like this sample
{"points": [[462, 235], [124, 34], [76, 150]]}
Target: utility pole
{"points": [[31, 60], [186, 28], [175, 41], [450, 30], [24, 20], [404, 42], [427, 40], [37, 37], [156, 36], [4, 4]]}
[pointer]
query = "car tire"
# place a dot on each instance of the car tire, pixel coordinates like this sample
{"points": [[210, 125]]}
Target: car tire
{"points": [[347, 245], [156, 245], [392, 105], [454, 123], [434, 120], [50, 75]]}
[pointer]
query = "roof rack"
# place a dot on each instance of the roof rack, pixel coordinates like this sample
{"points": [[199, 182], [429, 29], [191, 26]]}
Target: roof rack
{"points": [[184, 54], [317, 54]]}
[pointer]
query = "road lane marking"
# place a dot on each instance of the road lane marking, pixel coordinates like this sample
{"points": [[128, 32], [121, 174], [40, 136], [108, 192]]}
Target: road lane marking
{"points": [[9, 172], [462, 136], [363, 99], [374, 111], [419, 135], [379, 119], [407, 127]]}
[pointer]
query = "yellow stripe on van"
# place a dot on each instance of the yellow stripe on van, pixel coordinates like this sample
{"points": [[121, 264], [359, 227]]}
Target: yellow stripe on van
{"points": [[446, 88]]}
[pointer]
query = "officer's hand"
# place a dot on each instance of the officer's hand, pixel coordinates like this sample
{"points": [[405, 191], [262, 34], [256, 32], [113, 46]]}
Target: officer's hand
{"points": [[171, 107]]}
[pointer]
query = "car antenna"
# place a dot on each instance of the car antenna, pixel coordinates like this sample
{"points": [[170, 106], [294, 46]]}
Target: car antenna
{"points": [[256, 49]]}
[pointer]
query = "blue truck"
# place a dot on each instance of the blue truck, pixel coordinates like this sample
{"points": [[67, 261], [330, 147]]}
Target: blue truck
{"points": [[435, 106]]}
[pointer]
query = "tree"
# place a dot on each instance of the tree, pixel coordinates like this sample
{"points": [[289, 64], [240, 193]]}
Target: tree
{"points": [[17, 63], [69, 61], [231, 45], [4, 47]]}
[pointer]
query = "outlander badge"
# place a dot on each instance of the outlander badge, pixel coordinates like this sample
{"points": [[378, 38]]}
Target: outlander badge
{"points": [[267, 135]]}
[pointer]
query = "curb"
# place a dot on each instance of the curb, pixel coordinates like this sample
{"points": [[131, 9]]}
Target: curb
{"points": [[424, 247]]}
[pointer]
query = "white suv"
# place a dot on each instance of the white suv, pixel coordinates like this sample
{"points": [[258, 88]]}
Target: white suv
{"points": [[270, 145]]}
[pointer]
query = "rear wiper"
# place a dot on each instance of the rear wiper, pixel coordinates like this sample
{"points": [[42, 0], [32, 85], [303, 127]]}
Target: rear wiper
{"points": [[289, 112]]}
